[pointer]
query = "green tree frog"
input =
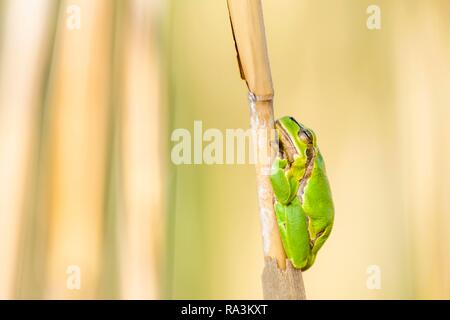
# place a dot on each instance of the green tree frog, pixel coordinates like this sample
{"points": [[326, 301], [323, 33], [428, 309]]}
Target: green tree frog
{"points": [[303, 203]]}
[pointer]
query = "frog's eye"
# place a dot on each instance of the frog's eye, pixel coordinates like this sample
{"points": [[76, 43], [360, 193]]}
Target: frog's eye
{"points": [[306, 136]]}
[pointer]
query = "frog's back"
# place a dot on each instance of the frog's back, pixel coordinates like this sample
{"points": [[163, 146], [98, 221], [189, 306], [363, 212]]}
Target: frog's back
{"points": [[318, 202]]}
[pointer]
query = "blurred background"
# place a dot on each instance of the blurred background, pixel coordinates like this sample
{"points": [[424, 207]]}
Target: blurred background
{"points": [[90, 92]]}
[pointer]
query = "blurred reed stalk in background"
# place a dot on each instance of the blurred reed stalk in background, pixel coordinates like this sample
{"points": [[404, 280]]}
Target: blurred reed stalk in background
{"points": [[80, 158], [141, 149], [79, 103], [422, 77]]}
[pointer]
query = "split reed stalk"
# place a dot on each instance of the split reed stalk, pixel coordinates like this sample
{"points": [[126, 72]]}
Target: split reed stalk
{"points": [[280, 280]]}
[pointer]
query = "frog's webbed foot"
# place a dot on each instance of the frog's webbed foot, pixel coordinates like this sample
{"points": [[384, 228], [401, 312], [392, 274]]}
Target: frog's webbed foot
{"points": [[310, 261]]}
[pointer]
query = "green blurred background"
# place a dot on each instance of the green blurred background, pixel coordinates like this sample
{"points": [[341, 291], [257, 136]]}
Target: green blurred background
{"points": [[86, 117]]}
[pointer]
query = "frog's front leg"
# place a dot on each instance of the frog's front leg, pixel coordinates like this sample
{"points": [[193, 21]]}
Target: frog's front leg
{"points": [[284, 182], [280, 183]]}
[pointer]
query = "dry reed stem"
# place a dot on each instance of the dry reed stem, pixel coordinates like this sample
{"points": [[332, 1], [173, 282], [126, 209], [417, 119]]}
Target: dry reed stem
{"points": [[247, 22]]}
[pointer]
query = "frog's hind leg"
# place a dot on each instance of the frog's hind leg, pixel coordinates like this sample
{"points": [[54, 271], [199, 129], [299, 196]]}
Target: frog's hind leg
{"points": [[297, 234], [280, 212]]}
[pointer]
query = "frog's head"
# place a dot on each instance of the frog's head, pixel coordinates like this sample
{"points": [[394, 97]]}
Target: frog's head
{"points": [[295, 139]]}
